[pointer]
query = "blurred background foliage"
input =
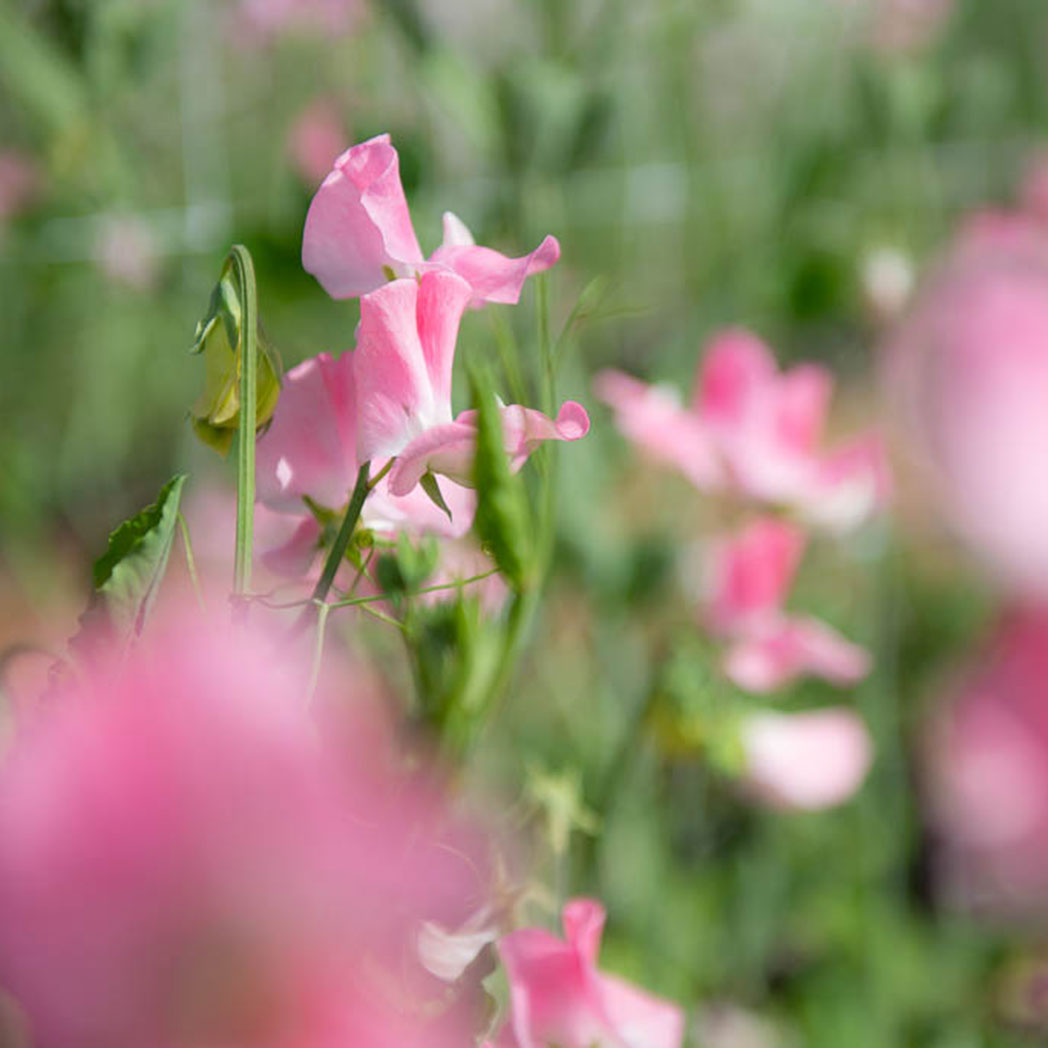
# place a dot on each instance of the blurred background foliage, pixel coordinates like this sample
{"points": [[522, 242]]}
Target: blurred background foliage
{"points": [[712, 162]]}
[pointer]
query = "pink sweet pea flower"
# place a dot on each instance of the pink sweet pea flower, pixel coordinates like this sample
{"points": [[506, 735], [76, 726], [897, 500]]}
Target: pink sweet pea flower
{"points": [[805, 761], [358, 234], [987, 765], [403, 362], [188, 857], [754, 430], [557, 995], [310, 450], [747, 580]]}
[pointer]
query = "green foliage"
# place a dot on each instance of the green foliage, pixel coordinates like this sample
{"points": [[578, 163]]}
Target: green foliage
{"points": [[504, 523], [127, 577], [216, 413]]}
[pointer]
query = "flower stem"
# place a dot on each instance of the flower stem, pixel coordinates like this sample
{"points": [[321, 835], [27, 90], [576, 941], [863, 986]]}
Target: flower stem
{"points": [[345, 533], [240, 259]]}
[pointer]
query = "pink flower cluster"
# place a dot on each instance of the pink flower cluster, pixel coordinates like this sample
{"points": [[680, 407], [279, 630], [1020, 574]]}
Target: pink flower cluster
{"points": [[754, 433], [389, 400]]}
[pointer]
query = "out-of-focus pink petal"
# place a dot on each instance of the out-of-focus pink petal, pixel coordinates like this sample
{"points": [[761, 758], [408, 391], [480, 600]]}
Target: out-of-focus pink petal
{"points": [[222, 865], [557, 995], [449, 449], [652, 417], [733, 378], [641, 1020], [294, 557], [20, 181], [316, 135], [358, 225], [310, 446], [748, 576], [801, 399], [494, 277], [403, 360], [849, 484], [986, 769], [780, 651], [805, 761], [583, 927]]}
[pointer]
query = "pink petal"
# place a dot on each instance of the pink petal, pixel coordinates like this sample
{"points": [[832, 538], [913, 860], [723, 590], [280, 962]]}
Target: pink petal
{"points": [[653, 419], [750, 574], [558, 997], [404, 355], [802, 398], [358, 224], [849, 484], [583, 921], [734, 376], [309, 449], [494, 277], [639, 1019], [416, 514], [806, 761], [449, 449], [781, 651], [294, 557]]}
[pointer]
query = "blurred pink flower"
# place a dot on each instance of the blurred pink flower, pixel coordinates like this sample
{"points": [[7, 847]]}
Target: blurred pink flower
{"points": [[403, 363], [557, 995], [359, 234], [187, 856], [987, 757], [126, 252], [259, 22], [805, 761], [747, 578], [968, 370], [909, 25], [756, 431], [19, 183], [316, 135]]}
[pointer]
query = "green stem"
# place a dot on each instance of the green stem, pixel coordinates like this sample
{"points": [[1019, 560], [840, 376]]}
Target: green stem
{"points": [[240, 259], [345, 533]]}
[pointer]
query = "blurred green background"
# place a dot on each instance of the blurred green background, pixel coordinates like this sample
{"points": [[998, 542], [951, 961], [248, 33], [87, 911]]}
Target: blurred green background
{"points": [[713, 162]]}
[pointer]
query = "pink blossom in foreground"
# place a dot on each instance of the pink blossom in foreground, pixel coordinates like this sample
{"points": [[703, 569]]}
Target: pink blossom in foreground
{"points": [[359, 234], [188, 857], [753, 430], [316, 135], [805, 761], [747, 579], [968, 370], [557, 995], [987, 760], [403, 364]]}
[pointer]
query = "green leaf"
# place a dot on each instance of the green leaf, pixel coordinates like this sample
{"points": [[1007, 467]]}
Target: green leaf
{"points": [[503, 520], [127, 576], [432, 489]]}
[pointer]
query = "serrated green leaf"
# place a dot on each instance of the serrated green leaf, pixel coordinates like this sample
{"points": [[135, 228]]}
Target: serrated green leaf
{"points": [[127, 576], [503, 520]]}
